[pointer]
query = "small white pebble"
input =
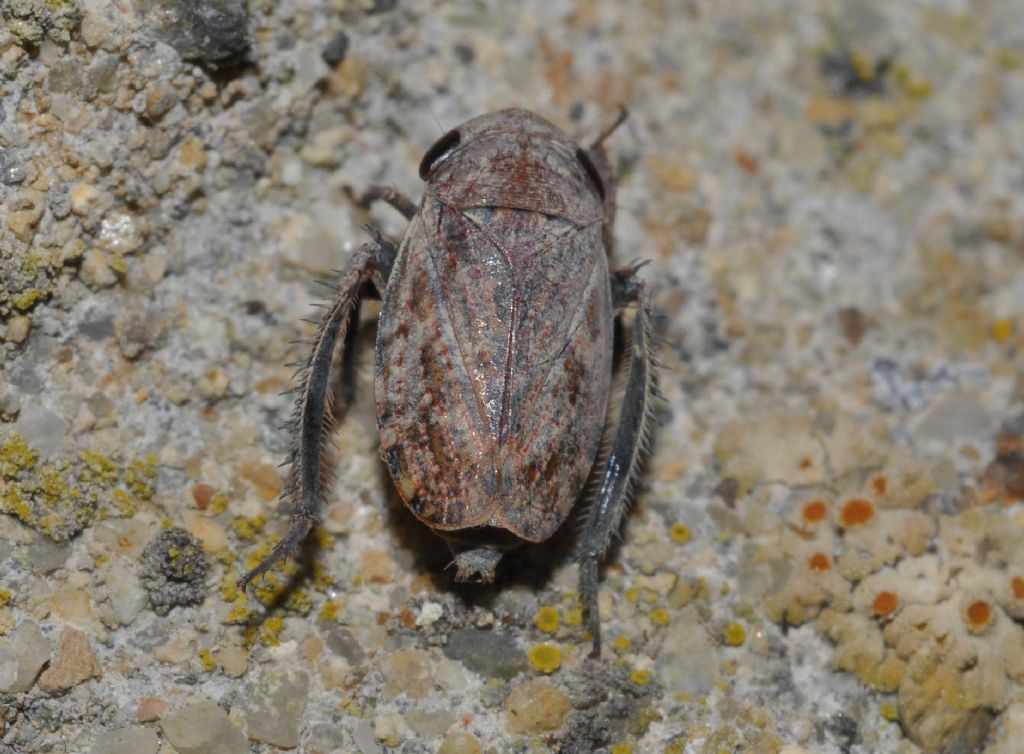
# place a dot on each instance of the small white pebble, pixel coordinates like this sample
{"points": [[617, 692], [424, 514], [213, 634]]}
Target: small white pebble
{"points": [[284, 650], [429, 614]]}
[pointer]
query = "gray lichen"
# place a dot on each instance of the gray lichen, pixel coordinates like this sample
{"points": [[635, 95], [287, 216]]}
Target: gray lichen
{"points": [[174, 570], [32, 21]]}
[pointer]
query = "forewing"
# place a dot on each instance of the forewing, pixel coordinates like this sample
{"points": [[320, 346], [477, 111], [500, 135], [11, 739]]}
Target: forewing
{"points": [[433, 408], [559, 390]]}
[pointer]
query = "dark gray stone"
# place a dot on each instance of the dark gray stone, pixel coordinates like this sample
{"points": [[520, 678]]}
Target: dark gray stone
{"points": [[211, 32], [334, 51], [489, 653]]}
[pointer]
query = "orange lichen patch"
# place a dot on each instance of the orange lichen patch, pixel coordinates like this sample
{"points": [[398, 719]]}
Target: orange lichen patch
{"points": [[819, 561], [746, 161], [815, 511], [979, 615], [856, 512], [885, 603], [880, 485], [1018, 587]]}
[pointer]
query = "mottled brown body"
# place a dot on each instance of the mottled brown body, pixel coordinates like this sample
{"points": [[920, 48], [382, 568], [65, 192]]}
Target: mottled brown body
{"points": [[494, 350], [494, 345]]}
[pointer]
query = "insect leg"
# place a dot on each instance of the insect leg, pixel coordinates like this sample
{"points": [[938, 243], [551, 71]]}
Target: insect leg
{"points": [[372, 261], [599, 157], [385, 194], [622, 464]]}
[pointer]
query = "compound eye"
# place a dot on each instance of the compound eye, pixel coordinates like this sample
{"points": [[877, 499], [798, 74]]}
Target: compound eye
{"points": [[439, 152], [591, 170]]}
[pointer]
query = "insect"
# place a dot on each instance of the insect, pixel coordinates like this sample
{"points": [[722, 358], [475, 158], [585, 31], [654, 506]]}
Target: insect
{"points": [[494, 353]]}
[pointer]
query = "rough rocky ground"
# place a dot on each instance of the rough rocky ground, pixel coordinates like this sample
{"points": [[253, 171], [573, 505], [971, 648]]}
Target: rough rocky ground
{"points": [[824, 556]]}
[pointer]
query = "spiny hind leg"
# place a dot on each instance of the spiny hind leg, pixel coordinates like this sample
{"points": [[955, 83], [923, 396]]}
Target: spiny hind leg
{"points": [[622, 465], [310, 419]]}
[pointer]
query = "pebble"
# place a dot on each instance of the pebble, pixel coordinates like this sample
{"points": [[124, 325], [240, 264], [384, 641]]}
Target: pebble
{"points": [[75, 663], [324, 148], [12, 169], [213, 536], [45, 556], [125, 593], [150, 709], [201, 727], [72, 605], [377, 567], [134, 740], [460, 742], [98, 21], [389, 729], [364, 739], [325, 737], [688, 660], [409, 672], [955, 418], [120, 233], [335, 49], [43, 429], [214, 32], [274, 706], [233, 660], [492, 654], [263, 475], [138, 330], [451, 675], [343, 643], [177, 651], [536, 707], [18, 327], [429, 614], [95, 271], [85, 197], [22, 656], [428, 723]]}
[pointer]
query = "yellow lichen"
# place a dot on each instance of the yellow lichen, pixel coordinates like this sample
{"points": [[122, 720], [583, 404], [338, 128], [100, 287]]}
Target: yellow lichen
{"points": [[140, 476], [640, 677], [239, 615], [248, 528], [16, 456], [659, 616], [207, 661], [734, 634], [27, 299], [545, 658], [547, 619], [574, 617], [622, 749], [270, 630], [229, 590], [680, 533], [6, 597], [1002, 330], [99, 466], [330, 611], [219, 503], [621, 644], [890, 712], [124, 502]]}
